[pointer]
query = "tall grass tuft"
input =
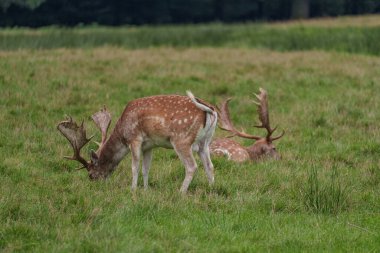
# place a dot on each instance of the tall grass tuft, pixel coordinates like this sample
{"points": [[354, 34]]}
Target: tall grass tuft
{"points": [[325, 196]]}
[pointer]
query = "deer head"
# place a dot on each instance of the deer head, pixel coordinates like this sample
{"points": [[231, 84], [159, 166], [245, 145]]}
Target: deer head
{"points": [[76, 135], [263, 147]]}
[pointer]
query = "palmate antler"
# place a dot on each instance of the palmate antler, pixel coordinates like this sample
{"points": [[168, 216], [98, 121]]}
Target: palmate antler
{"points": [[76, 135], [226, 124], [262, 109], [102, 120]]}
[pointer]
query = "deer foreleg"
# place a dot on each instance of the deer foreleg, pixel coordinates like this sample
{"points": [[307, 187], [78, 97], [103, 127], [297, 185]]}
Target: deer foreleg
{"points": [[136, 153], [147, 159]]}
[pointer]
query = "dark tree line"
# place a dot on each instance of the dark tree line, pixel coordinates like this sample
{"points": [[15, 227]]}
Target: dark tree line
{"points": [[36, 13]]}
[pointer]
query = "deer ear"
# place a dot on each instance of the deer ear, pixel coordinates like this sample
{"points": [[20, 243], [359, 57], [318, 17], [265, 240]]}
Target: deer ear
{"points": [[94, 157]]}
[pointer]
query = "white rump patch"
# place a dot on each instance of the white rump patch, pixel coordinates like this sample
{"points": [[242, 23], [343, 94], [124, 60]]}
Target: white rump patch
{"points": [[205, 134], [224, 152]]}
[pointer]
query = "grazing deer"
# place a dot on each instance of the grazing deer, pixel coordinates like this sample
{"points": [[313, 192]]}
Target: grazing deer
{"points": [[263, 147], [184, 123]]}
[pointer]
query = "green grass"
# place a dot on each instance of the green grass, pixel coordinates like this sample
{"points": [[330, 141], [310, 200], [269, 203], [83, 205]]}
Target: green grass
{"points": [[328, 197], [324, 195], [282, 38]]}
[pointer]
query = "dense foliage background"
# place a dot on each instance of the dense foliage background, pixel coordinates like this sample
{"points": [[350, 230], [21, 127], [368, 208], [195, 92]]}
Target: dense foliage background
{"points": [[36, 13]]}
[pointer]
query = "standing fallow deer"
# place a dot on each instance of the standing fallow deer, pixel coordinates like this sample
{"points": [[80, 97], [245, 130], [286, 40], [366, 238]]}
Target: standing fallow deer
{"points": [[263, 146], [184, 123]]}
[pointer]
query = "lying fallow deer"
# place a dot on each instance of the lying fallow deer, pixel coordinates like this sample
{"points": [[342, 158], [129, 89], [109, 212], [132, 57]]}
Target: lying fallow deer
{"points": [[170, 121], [263, 147]]}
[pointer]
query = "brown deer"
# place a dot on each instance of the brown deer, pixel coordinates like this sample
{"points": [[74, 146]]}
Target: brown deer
{"points": [[263, 146], [184, 123]]}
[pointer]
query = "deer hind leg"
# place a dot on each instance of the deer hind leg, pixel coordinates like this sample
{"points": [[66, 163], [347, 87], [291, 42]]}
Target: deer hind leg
{"points": [[185, 154], [204, 150], [135, 148], [147, 159], [204, 154]]}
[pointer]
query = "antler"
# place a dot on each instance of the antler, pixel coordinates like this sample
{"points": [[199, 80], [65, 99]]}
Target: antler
{"points": [[262, 109], [102, 120], [226, 124], [76, 135]]}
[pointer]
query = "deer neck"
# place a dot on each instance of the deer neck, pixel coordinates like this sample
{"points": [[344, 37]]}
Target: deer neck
{"points": [[253, 152], [112, 152]]}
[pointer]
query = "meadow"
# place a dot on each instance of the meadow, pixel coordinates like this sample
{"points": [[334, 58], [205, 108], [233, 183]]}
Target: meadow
{"points": [[346, 34], [324, 90]]}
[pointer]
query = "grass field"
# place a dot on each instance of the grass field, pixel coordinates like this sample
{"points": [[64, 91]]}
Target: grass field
{"points": [[323, 196], [346, 34]]}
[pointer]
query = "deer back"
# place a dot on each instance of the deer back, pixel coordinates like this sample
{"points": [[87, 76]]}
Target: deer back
{"points": [[229, 148], [160, 117]]}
